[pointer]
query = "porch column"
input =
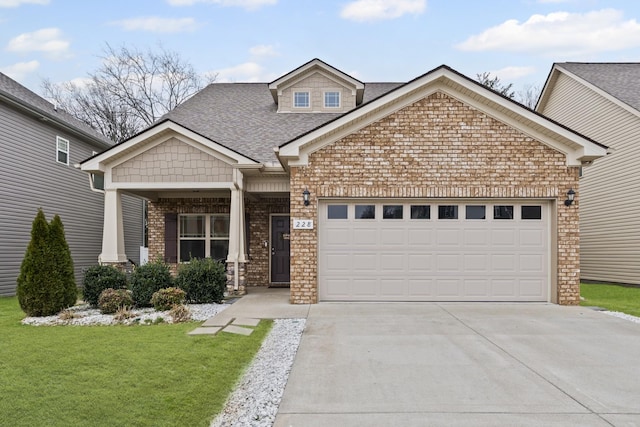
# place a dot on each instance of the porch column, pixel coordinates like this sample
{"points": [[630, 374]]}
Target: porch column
{"points": [[112, 230], [237, 256]]}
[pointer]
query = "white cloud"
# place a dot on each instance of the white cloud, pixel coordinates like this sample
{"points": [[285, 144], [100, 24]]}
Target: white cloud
{"points": [[513, 72], [156, 24], [20, 70], [263, 50], [245, 4], [47, 40], [16, 3], [559, 34], [376, 10], [247, 72]]}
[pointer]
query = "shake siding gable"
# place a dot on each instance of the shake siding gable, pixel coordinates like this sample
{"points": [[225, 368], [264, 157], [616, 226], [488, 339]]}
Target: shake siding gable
{"points": [[31, 178], [610, 188], [437, 147]]}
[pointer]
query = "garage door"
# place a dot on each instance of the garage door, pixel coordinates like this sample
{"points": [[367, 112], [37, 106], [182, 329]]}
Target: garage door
{"points": [[433, 251]]}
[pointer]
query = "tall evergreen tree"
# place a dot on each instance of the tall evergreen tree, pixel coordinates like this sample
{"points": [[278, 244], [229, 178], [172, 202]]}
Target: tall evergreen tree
{"points": [[62, 261], [41, 289]]}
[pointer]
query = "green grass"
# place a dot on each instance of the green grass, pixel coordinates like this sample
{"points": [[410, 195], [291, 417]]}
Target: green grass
{"points": [[116, 375], [612, 297]]}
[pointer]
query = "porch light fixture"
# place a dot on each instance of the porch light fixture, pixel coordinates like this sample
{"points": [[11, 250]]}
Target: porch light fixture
{"points": [[570, 196], [305, 197]]}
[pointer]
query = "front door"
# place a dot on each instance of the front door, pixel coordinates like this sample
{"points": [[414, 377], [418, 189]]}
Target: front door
{"points": [[280, 249]]}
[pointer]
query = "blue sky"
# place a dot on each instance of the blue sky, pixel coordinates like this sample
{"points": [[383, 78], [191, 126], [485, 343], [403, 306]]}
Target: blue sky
{"points": [[373, 40]]}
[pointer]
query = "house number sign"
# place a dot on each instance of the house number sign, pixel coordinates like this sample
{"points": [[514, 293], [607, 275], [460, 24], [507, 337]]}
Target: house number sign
{"points": [[303, 224]]}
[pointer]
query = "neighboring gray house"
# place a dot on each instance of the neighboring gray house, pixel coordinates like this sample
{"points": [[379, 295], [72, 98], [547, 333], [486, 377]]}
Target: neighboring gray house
{"points": [[602, 101], [39, 146]]}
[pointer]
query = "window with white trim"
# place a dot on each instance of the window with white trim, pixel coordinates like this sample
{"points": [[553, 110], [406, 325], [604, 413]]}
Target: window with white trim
{"points": [[301, 99], [203, 236], [332, 99], [62, 150]]}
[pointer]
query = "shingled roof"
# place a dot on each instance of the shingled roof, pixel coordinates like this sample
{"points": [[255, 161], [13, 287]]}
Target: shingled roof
{"points": [[243, 117], [619, 80], [13, 92]]}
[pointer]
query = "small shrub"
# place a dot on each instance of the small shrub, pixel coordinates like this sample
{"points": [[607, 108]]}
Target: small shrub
{"points": [[123, 314], [180, 313], [148, 279], [204, 280], [112, 300], [68, 315], [166, 298], [97, 279]]}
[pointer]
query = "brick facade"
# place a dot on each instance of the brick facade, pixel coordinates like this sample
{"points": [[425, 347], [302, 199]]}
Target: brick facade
{"points": [[257, 269], [436, 148]]}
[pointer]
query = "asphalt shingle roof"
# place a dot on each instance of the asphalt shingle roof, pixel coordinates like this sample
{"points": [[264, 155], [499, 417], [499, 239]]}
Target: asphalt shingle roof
{"points": [[620, 80], [20, 94], [243, 117]]}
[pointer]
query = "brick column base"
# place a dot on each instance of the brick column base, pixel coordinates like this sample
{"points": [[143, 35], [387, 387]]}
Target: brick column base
{"points": [[242, 279]]}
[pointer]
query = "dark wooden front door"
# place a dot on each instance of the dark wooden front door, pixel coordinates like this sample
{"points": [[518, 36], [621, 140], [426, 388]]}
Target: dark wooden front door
{"points": [[280, 249]]}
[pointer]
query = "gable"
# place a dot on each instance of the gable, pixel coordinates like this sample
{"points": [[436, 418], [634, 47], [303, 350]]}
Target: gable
{"points": [[434, 142], [172, 161], [316, 84], [575, 147]]}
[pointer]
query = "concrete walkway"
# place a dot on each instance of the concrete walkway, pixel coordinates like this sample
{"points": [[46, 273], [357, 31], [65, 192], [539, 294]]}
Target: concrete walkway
{"points": [[428, 364], [258, 303]]}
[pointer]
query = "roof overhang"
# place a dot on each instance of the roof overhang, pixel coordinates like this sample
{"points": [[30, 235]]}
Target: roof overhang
{"points": [[577, 148]]}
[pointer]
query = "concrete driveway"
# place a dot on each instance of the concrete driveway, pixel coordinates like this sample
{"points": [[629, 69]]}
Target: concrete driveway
{"points": [[457, 364]]}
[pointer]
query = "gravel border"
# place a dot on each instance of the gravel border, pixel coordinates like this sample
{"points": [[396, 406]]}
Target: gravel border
{"points": [[623, 316], [255, 400]]}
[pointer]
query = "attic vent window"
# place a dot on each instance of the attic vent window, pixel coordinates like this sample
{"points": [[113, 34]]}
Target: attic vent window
{"points": [[332, 99], [301, 99]]}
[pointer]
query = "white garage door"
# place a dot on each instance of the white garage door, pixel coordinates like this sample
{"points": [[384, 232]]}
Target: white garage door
{"points": [[434, 251]]}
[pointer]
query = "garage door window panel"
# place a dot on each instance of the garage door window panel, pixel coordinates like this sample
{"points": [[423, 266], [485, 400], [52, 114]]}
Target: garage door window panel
{"points": [[502, 212], [448, 212], [392, 212], [365, 212], [531, 212], [475, 212], [337, 212], [420, 212]]}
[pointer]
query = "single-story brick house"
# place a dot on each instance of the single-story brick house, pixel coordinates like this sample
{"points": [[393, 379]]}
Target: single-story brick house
{"points": [[438, 189]]}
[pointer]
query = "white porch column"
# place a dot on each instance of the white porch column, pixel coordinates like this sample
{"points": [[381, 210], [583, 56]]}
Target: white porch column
{"points": [[237, 252], [113, 229]]}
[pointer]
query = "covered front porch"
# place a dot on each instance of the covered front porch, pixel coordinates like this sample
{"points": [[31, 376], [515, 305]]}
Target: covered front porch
{"points": [[203, 201]]}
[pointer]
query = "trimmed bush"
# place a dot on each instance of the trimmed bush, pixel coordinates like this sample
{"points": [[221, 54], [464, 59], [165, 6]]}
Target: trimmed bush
{"points": [[101, 277], [204, 280], [166, 298], [46, 285], [148, 279], [112, 300]]}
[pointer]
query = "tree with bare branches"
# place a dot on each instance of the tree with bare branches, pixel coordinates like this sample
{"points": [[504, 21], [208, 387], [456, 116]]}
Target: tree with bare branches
{"points": [[129, 91], [495, 84]]}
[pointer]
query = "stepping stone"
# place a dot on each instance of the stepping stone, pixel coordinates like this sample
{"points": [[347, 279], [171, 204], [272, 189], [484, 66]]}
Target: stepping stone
{"points": [[237, 330], [244, 321], [205, 331]]}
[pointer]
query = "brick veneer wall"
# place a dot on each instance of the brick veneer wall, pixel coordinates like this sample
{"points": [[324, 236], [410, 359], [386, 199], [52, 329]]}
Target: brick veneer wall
{"points": [[257, 268], [437, 147]]}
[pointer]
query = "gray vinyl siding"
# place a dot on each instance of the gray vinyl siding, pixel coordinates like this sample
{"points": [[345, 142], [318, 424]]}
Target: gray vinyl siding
{"points": [[30, 178], [610, 187]]}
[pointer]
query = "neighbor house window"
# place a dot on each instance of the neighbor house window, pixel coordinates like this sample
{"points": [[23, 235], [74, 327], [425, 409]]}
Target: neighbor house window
{"points": [[301, 99], [332, 99], [204, 236], [62, 150]]}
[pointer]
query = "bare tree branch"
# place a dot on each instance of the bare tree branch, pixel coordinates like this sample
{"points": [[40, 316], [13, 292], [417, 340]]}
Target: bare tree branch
{"points": [[495, 84], [130, 90]]}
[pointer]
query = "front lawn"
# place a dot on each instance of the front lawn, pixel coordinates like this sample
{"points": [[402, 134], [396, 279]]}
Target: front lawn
{"points": [[139, 375], [612, 297]]}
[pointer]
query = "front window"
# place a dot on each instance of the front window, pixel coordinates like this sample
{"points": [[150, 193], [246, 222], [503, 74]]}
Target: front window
{"points": [[62, 150], [204, 236], [301, 99], [332, 99]]}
